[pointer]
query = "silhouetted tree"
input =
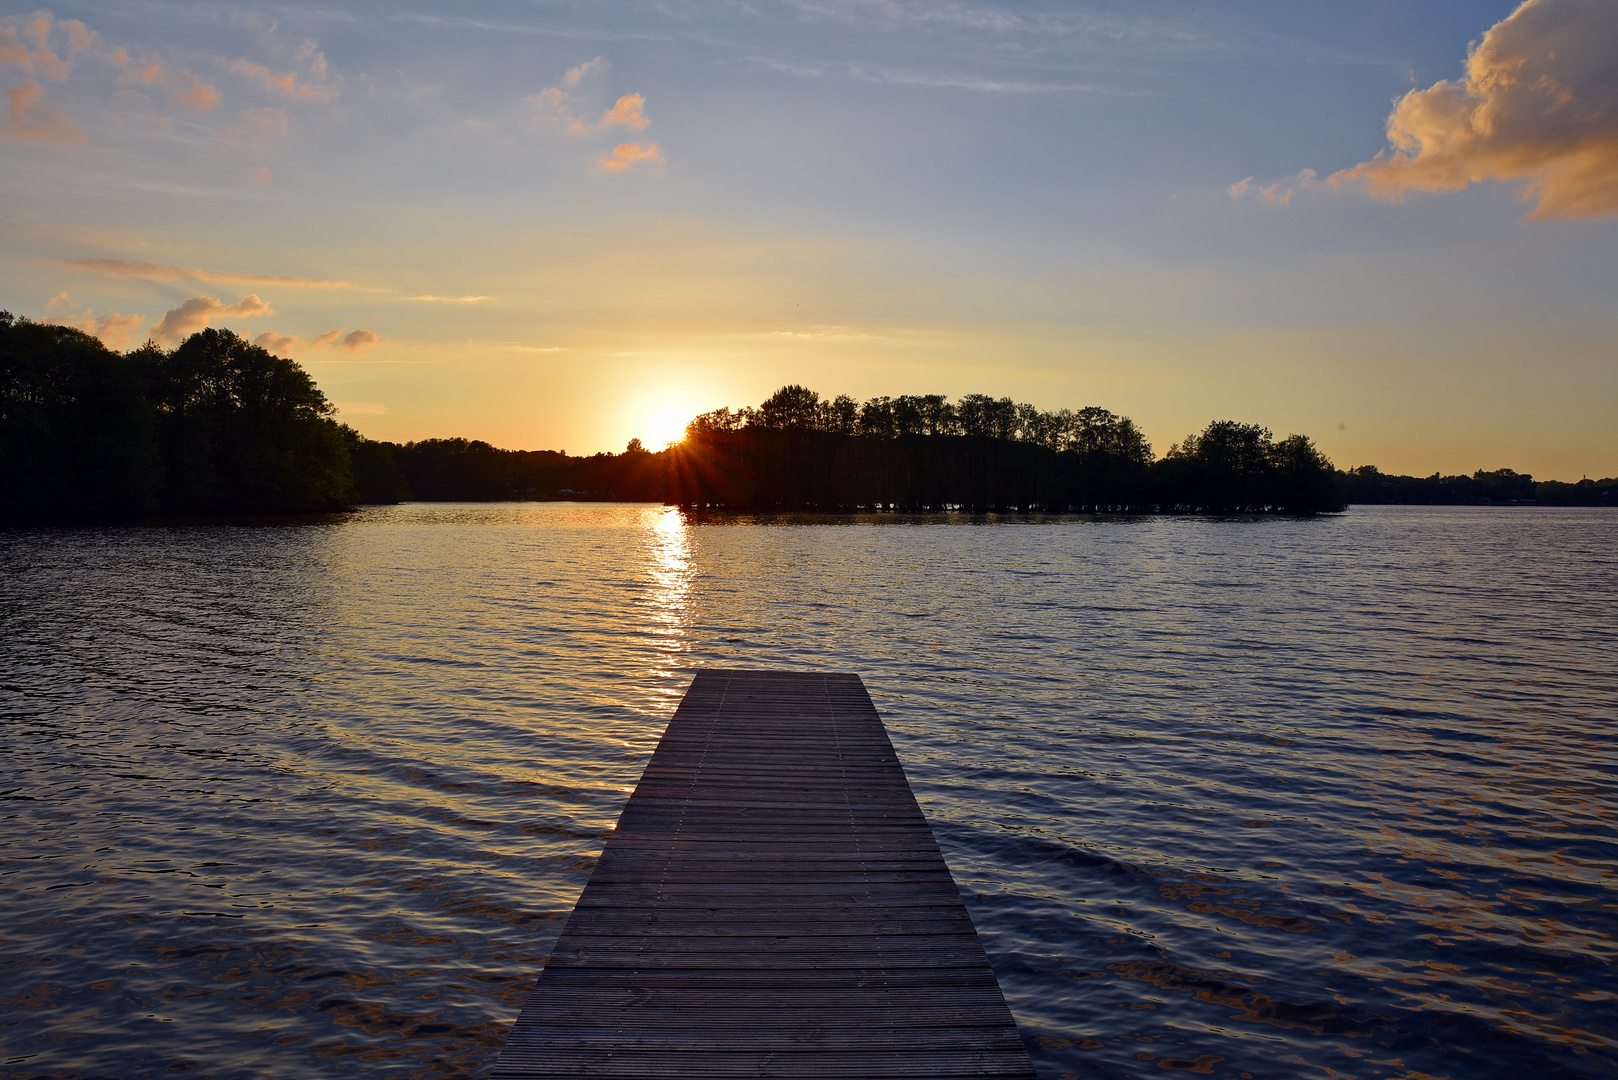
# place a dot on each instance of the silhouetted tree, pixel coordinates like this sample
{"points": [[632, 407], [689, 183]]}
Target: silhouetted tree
{"points": [[75, 427], [377, 477], [240, 430], [983, 453]]}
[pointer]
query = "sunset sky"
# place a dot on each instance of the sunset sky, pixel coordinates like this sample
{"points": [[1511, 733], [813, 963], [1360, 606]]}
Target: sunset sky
{"points": [[1390, 226]]}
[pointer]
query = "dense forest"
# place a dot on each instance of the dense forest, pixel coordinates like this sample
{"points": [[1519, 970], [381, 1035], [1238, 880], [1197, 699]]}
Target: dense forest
{"points": [[219, 427]]}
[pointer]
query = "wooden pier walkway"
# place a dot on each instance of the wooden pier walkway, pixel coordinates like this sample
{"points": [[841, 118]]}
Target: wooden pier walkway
{"points": [[772, 903]]}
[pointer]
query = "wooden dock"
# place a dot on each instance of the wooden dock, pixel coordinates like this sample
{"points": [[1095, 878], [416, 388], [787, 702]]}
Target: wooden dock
{"points": [[772, 903]]}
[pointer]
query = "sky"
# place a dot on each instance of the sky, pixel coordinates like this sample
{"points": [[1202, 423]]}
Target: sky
{"points": [[1390, 226]]}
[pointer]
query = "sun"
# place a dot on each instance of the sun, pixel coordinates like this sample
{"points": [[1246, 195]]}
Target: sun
{"points": [[664, 426]]}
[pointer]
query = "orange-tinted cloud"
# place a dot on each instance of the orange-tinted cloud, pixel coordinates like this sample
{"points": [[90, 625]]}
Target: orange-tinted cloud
{"points": [[194, 93], [26, 43], [114, 329], [37, 58], [280, 344], [185, 88], [286, 83], [352, 340], [628, 155], [29, 119], [147, 271], [626, 112], [195, 314], [555, 107], [1538, 106]]}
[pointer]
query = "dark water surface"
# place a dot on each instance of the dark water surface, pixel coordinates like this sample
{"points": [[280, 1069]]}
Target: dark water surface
{"points": [[1234, 798]]}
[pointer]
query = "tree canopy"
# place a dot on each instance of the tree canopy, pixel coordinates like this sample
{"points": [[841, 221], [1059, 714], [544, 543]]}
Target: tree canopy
{"points": [[215, 426], [801, 451]]}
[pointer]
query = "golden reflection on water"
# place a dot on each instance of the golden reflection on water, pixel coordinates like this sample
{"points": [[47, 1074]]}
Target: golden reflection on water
{"points": [[669, 596]]}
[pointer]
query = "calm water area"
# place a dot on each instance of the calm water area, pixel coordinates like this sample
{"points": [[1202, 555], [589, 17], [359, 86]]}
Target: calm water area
{"points": [[1235, 798]]}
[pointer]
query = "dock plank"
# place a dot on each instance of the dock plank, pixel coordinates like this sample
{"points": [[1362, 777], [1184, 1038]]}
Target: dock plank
{"points": [[772, 903]]}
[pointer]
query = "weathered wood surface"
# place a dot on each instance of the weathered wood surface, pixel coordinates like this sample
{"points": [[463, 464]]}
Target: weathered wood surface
{"points": [[772, 903]]}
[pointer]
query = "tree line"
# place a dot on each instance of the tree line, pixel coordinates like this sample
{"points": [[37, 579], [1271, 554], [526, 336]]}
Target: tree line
{"points": [[799, 451], [218, 426], [1502, 487], [215, 426]]}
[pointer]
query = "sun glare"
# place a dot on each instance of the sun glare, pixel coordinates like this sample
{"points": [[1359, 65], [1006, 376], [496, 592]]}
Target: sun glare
{"points": [[664, 427]]}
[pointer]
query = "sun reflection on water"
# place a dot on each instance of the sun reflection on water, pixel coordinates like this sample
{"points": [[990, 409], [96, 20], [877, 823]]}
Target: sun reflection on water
{"points": [[669, 597]]}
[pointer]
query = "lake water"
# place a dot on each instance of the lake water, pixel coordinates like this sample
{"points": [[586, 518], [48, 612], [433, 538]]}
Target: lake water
{"points": [[1274, 798]]}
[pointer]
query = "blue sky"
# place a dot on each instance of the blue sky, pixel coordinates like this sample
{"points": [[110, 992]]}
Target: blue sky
{"points": [[560, 226]]}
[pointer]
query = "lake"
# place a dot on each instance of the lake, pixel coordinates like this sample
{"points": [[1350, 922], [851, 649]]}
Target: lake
{"points": [[1237, 798]]}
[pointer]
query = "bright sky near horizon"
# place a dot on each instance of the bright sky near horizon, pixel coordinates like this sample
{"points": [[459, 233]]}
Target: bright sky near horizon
{"points": [[1390, 226]]}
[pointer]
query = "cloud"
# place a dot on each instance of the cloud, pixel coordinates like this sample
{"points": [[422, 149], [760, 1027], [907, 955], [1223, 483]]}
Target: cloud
{"points": [[586, 70], [357, 340], [286, 83], [36, 59], [280, 344], [184, 87], [556, 107], [193, 92], [628, 155], [195, 314], [625, 112], [31, 120], [1281, 191], [257, 123], [40, 59], [309, 52], [1538, 106], [450, 299], [343, 338], [946, 81], [114, 329], [248, 306], [147, 271]]}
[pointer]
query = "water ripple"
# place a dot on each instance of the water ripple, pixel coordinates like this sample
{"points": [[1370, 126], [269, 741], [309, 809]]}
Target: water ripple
{"points": [[1233, 798]]}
